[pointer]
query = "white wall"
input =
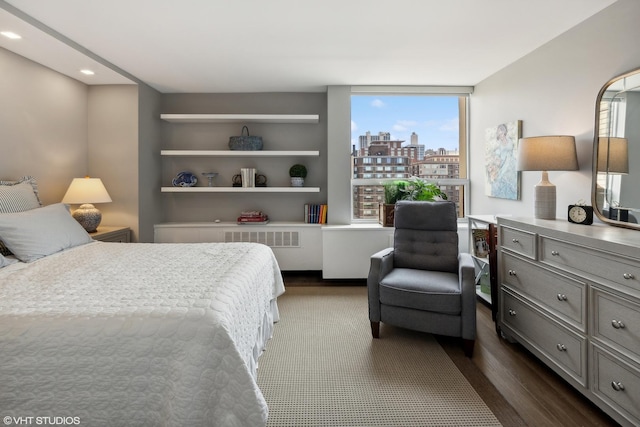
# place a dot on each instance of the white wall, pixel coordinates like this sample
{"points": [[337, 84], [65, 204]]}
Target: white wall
{"points": [[553, 91]]}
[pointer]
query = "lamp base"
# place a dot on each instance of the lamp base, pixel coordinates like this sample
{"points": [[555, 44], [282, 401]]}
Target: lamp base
{"points": [[545, 198], [88, 216]]}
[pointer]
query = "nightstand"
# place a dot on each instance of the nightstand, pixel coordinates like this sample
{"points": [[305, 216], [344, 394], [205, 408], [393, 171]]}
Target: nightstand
{"points": [[112, 234]]}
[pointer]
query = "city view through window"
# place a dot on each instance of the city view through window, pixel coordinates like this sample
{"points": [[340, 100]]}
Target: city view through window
{"points": [[397, 137]]}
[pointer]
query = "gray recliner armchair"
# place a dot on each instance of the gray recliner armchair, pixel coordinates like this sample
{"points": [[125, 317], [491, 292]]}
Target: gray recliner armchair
{"points": [[423, 283]]}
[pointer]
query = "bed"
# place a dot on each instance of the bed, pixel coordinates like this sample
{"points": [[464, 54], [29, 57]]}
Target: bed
{"points": [[131, 334]]}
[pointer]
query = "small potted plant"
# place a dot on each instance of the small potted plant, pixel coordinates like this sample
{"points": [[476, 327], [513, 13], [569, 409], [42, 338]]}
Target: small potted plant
{"points": [[297, 173]]}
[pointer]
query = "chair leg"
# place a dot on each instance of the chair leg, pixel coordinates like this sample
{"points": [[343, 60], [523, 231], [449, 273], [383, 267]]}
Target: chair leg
{"points": [[467, 346], [375, 329]]}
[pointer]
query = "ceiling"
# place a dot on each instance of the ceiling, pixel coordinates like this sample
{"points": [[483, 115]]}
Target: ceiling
{"points": [[208, 46]]}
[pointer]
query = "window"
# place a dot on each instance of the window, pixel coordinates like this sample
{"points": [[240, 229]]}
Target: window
{"points": [[421, 135]]}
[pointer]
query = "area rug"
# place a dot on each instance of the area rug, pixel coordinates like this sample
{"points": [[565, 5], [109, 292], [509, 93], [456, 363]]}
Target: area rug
{"points": [[322, 368]]}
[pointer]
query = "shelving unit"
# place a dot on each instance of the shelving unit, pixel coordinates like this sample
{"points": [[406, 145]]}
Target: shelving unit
{"points": [[240, 189], [241, 118], [239, 154], [485, 265]]}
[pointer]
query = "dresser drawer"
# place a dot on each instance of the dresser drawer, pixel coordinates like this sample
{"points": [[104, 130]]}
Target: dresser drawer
{"points": [[596, 263], [616, 321], [617, 383], [564, 296], [564, 349], [519, 241]]}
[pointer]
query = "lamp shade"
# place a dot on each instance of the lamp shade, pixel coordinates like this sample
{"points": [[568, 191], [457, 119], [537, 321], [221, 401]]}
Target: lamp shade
{"points": [[547, 153], [613, 155], [86, 190]]}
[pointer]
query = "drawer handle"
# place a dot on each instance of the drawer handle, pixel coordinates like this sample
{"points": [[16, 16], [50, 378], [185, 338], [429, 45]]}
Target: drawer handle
{"points": [[628, 276], [561, 347], [512, 273], [617, 324], [617, 386], [515, 240], [555, 253], [562, 297], [512, 312]]}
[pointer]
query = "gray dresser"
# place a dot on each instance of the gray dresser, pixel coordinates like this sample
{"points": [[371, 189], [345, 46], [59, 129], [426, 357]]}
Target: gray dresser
{"points": [[570, 294]]}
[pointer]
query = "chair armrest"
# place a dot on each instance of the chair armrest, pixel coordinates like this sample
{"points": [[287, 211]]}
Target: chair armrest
{"points": [[467, 276], [381, 265]]}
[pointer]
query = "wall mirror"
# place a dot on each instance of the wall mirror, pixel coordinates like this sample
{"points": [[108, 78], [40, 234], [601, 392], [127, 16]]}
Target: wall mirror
{"points": [[616, 152]]}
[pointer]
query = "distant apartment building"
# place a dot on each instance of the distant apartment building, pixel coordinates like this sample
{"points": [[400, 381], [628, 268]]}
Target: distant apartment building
{"points": [[414, 143], [379, 157], [380, 160], [366, 139], [437, 165]]}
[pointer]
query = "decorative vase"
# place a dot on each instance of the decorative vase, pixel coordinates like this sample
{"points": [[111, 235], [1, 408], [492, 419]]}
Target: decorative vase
{"points": [[386, 214], [88, 216], [297, 181]]}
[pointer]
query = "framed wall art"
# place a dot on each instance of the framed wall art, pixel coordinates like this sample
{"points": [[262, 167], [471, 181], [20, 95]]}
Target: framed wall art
{"points": [[502, 179]]}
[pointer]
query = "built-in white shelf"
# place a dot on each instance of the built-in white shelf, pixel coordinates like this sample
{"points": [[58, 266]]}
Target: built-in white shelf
{"points": [[240, 189], [223, 224], [241, 118], [239, 153]]}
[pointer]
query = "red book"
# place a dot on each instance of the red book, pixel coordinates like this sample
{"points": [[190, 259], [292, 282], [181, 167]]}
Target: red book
{"points": [[253, 219]]}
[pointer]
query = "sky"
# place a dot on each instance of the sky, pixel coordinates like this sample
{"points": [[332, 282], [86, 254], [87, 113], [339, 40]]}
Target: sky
{"points": [[433, 118]]}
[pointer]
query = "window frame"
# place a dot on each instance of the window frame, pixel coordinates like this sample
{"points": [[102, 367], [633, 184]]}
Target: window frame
{"points": [[463, 95]]}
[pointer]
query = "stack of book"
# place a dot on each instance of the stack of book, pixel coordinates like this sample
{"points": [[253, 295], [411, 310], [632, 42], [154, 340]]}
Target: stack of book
{"points": [[315, 214], [253, 217]]}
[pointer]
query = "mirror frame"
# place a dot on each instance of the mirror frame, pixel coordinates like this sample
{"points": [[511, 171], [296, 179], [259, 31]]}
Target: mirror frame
{"points": [[594, 173]]}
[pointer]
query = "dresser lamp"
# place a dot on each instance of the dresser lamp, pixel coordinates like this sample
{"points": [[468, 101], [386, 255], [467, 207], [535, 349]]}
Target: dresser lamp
{"points": [[85, 192], [546, 153]]}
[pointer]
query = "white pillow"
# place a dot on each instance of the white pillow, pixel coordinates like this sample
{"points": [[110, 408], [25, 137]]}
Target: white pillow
{"points": [[40, 232]]}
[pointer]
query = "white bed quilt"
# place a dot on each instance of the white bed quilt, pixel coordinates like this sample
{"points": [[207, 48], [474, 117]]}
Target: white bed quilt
{"points": [[138, 334]]}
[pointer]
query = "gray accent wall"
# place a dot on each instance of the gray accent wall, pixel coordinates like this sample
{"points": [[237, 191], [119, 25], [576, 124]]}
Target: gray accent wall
{"points": [[215, 136]]}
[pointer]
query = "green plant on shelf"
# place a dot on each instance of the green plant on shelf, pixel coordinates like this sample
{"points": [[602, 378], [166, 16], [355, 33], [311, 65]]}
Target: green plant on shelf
{"points": [[298, 171]]}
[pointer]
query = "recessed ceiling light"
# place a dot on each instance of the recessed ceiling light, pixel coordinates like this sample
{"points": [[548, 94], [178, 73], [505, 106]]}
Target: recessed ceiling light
{"points": [[87, 72], [11, 35]]}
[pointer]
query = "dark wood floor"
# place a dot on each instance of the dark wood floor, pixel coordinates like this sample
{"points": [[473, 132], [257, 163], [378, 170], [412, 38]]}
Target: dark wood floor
{"points": [[540, 397]]}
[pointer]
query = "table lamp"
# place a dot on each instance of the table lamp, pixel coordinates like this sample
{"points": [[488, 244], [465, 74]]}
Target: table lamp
{"points": [[546, 153], [85, 192]]}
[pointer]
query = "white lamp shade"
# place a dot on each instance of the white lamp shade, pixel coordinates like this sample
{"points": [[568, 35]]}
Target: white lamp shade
{"points": [[613, 155], [86, 190], [547, 153]]}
